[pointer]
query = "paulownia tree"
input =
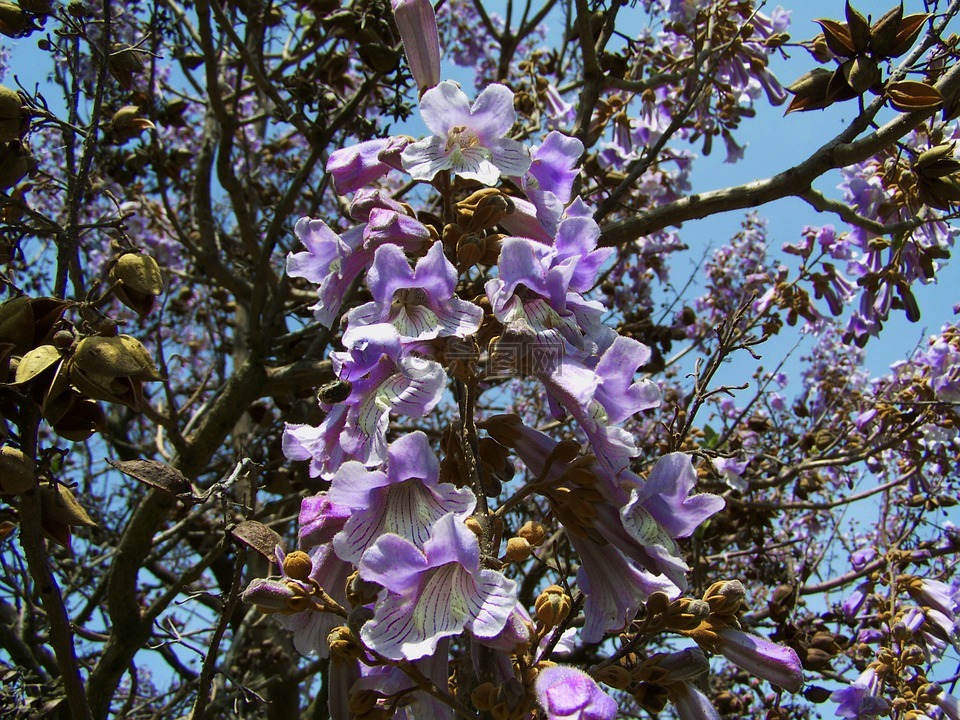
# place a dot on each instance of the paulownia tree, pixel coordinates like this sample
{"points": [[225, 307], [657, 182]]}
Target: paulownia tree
{"points": [[335, 388]]}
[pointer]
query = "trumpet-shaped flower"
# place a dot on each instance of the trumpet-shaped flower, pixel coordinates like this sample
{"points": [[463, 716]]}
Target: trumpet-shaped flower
{"points": [[433, 594], [334, 261], [406, 500], [420, 303], [467, 139]]}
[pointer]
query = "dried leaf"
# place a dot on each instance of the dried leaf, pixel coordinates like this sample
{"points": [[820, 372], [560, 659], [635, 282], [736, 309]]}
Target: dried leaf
{"points": [[157, 475], [911, 95], [259, 537]]}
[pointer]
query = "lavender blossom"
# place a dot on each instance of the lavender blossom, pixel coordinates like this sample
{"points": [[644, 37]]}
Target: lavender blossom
{"points": [[859, 700], [777, 664], [467, 139], [566, 693], [357, 165], [406, 500], [433, 594], [420, 303]]}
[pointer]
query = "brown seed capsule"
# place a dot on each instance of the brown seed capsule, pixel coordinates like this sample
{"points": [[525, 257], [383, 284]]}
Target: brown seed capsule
{"points": [[17, 471], [137, 282]]}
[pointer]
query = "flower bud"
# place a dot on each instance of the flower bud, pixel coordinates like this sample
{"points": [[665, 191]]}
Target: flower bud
{"points": [[725, 597], [552, 606], [343, 645], [533, 532], [269, 595], [417, 23], [298, 565], [518, 549], [616, 676], [483, 696]]}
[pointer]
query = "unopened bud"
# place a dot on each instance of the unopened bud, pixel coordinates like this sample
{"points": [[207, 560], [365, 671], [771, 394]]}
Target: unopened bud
{"points": [[484, 696], [297, 565], [616, 676], [474, 526], [552, 606], [533, 532], [343, 645], [518, 549], [725, 597], [417, 23]]}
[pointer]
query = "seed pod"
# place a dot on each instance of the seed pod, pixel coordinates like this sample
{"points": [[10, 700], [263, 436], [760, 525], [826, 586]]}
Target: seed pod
{"points": [[137, 281], [13, 115], [79, 417], [17, 471], [15, 163], [127, 123], [57, 503], [36, 362], [16, 322], [13, 20], [104, 356]]}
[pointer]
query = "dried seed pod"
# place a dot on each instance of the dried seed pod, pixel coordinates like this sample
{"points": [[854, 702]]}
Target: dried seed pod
{"points": [[127, 123], [17, 471], [137, 281], [14, 117]]}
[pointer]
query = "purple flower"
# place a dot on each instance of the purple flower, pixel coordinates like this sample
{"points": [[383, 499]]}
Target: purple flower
{"points": [[390, 681], [660, 510], [334, 261], [614, 585], [665, 498], [949, 704], [469, 140], [777, 664], [566, 693], [385, 377], [549, 181], [560, 112], [354, 166], [320, 445], [691, 703], [406, 500], [433, 594], [320, 520], [858, 701], [417, 23], [420, 303]]}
